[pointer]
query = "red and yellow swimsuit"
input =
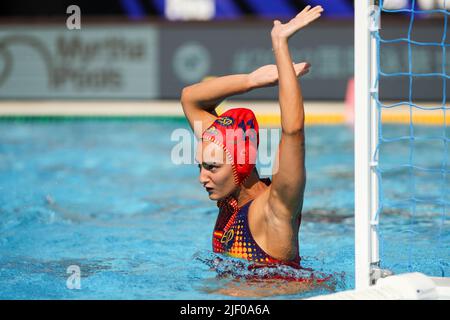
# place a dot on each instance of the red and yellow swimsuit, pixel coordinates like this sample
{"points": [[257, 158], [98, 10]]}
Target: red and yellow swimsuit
{"points": [[232, 234]]}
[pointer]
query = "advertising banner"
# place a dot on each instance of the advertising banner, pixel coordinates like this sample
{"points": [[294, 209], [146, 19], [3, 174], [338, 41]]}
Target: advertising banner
{"points": [[156, 61], [195, 51], [94, 62]]}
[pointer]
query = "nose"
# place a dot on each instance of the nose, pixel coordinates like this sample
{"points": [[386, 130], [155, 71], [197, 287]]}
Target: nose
{"points": [[203, 177]]}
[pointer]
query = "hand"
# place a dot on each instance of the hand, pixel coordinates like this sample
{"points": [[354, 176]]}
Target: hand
{"points": [[267, 76], [285, 31]]}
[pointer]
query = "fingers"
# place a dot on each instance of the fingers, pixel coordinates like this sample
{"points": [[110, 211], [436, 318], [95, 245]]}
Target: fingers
{"points": [[305, 9], [314, 15], [300, 73], [313, 10], [308, 15], [302, 64], [316, 9], [301, 68]]}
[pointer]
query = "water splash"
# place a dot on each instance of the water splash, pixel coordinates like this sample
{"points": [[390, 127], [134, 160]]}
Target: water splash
{"points": [[238, 277]]}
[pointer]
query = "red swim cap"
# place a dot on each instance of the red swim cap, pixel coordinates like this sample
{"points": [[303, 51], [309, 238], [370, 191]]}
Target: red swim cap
{"points": [[237, 132]]}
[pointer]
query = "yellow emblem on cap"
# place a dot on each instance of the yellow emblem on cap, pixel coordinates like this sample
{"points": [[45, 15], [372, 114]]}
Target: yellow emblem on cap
{"points": [[225, 121]]}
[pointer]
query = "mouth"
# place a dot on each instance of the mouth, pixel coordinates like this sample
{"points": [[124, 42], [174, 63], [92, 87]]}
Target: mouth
{"points": [[209, 190]]}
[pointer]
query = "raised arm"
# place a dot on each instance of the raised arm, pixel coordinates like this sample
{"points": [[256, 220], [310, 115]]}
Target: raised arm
{"points": [[289, 174], [200, 100]]}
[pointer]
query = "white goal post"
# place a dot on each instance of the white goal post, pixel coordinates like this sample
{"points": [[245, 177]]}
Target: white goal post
{"points": [[366, 139], [367, 257]]}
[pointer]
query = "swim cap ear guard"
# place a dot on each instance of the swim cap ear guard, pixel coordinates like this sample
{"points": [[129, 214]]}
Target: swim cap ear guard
{"points": [[237, 132]]}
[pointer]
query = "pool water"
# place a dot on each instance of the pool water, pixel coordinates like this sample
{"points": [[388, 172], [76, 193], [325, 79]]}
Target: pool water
{"points": [[104, 196]]}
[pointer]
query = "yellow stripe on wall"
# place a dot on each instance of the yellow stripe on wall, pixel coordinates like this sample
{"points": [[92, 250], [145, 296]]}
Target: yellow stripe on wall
{"points": [[430, 119], [273, 120]]}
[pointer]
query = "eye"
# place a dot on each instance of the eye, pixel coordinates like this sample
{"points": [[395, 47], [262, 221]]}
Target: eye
{"points": [[210, 167]]}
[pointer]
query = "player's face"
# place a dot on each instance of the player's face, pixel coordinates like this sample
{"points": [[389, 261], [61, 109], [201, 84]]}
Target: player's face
{"points": [[216, 175]]}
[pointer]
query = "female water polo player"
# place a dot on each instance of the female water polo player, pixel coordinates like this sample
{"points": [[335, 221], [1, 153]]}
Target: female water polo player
{"points": [[258, 219]]}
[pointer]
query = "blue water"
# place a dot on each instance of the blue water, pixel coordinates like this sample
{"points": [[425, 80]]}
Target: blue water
{"points": [[105, 196]]}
